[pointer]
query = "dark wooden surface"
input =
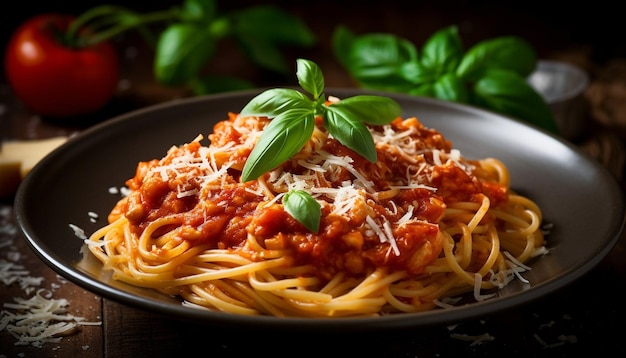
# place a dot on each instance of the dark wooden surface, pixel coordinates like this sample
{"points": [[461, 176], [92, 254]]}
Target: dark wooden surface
{"points": [[586, 317]]}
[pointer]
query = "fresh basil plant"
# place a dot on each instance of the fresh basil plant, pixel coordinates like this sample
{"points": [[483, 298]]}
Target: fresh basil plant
{"points": [[191, 40], [491, 74], [292, 124], [186, 37]]}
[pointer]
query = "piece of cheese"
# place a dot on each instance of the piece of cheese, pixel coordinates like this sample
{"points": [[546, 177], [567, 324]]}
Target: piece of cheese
{"points": [[10, 176], [18, 157]]}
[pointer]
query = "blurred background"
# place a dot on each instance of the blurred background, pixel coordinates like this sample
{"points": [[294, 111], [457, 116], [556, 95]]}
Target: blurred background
{"points": [[550, 25], [588, 35]]}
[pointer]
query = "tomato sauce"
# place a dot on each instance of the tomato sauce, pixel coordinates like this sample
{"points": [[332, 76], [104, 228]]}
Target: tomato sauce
{"points": [[224, 217]]}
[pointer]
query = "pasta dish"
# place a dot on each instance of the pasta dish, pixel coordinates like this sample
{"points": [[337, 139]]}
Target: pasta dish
{"points": [[407, 233]]}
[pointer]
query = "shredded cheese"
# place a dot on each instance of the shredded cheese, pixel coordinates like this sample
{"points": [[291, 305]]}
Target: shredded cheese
{"points": [[39, 319], [11, 272], [383, 233], [478, 279], [476, 340]]}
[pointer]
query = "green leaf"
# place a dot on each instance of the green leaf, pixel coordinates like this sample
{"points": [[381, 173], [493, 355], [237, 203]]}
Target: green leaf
{"points": [[385, 62], [294, 121], [282, 138], [508, 53], [304, 208], [350, 131], [369, 109], [425, 90], [198, 10], [416, 73], [451, 88], [182, 51], [507, 92], [262, 53], [261, 30], [375, 60], [342, 40], [381, 50], [385, 84], [443, 51], [273, 102], [310, 77]]}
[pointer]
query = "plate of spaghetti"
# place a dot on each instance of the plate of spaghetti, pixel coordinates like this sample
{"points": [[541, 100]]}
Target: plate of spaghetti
{"points": [[464, 213]]}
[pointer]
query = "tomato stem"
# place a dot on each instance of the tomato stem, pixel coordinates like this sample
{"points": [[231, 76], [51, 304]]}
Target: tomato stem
{"points": [[106, 21]]}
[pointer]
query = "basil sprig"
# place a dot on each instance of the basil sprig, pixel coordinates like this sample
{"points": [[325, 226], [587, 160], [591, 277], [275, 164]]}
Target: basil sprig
{"points": [[491, 74], [186, 37], [293, 120], [188, 43], [293, 116]]}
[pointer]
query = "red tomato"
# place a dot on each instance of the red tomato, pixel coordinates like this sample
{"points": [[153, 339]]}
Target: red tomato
{"points": [[53, 79]]}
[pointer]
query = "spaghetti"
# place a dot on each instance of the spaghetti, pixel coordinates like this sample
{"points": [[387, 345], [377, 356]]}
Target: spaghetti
{"points": [[420, 225]]}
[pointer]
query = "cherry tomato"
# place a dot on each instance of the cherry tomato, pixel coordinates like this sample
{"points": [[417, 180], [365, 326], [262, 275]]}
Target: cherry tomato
{"points": [[53, 79]]}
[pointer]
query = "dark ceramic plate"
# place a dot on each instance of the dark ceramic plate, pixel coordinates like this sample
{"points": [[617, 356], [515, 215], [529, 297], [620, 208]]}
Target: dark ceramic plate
{"points": [[575, 192]]}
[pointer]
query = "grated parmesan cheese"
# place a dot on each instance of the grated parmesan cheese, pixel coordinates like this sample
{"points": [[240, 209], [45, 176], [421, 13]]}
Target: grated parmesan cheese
{"points": [[39, 319], [478, 279], [476, 340], [11, 272], [383, 233], [78, 231]]}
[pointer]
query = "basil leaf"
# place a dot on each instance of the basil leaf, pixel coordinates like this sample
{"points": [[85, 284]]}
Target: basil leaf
{"points": [[426, 90], [198, 10], [294, 121], [261, 29], [384, 62], [378, 49], [304, 208], [282, 138], [508, 52], [416, 73], [507, 92], [262, 52], [342, 123], [385, 84], [273, 102], [451, 88], [310, 77], [182, 51], [369, 109], [342, 40], [443, 51], [382, 80], [379, 56]]}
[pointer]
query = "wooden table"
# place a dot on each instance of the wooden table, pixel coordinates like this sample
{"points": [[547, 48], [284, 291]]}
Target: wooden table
{"points": [[585, 317]]}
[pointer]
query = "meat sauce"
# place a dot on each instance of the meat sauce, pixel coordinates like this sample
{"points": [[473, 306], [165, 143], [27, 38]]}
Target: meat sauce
{"points": [[224, 217]]}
